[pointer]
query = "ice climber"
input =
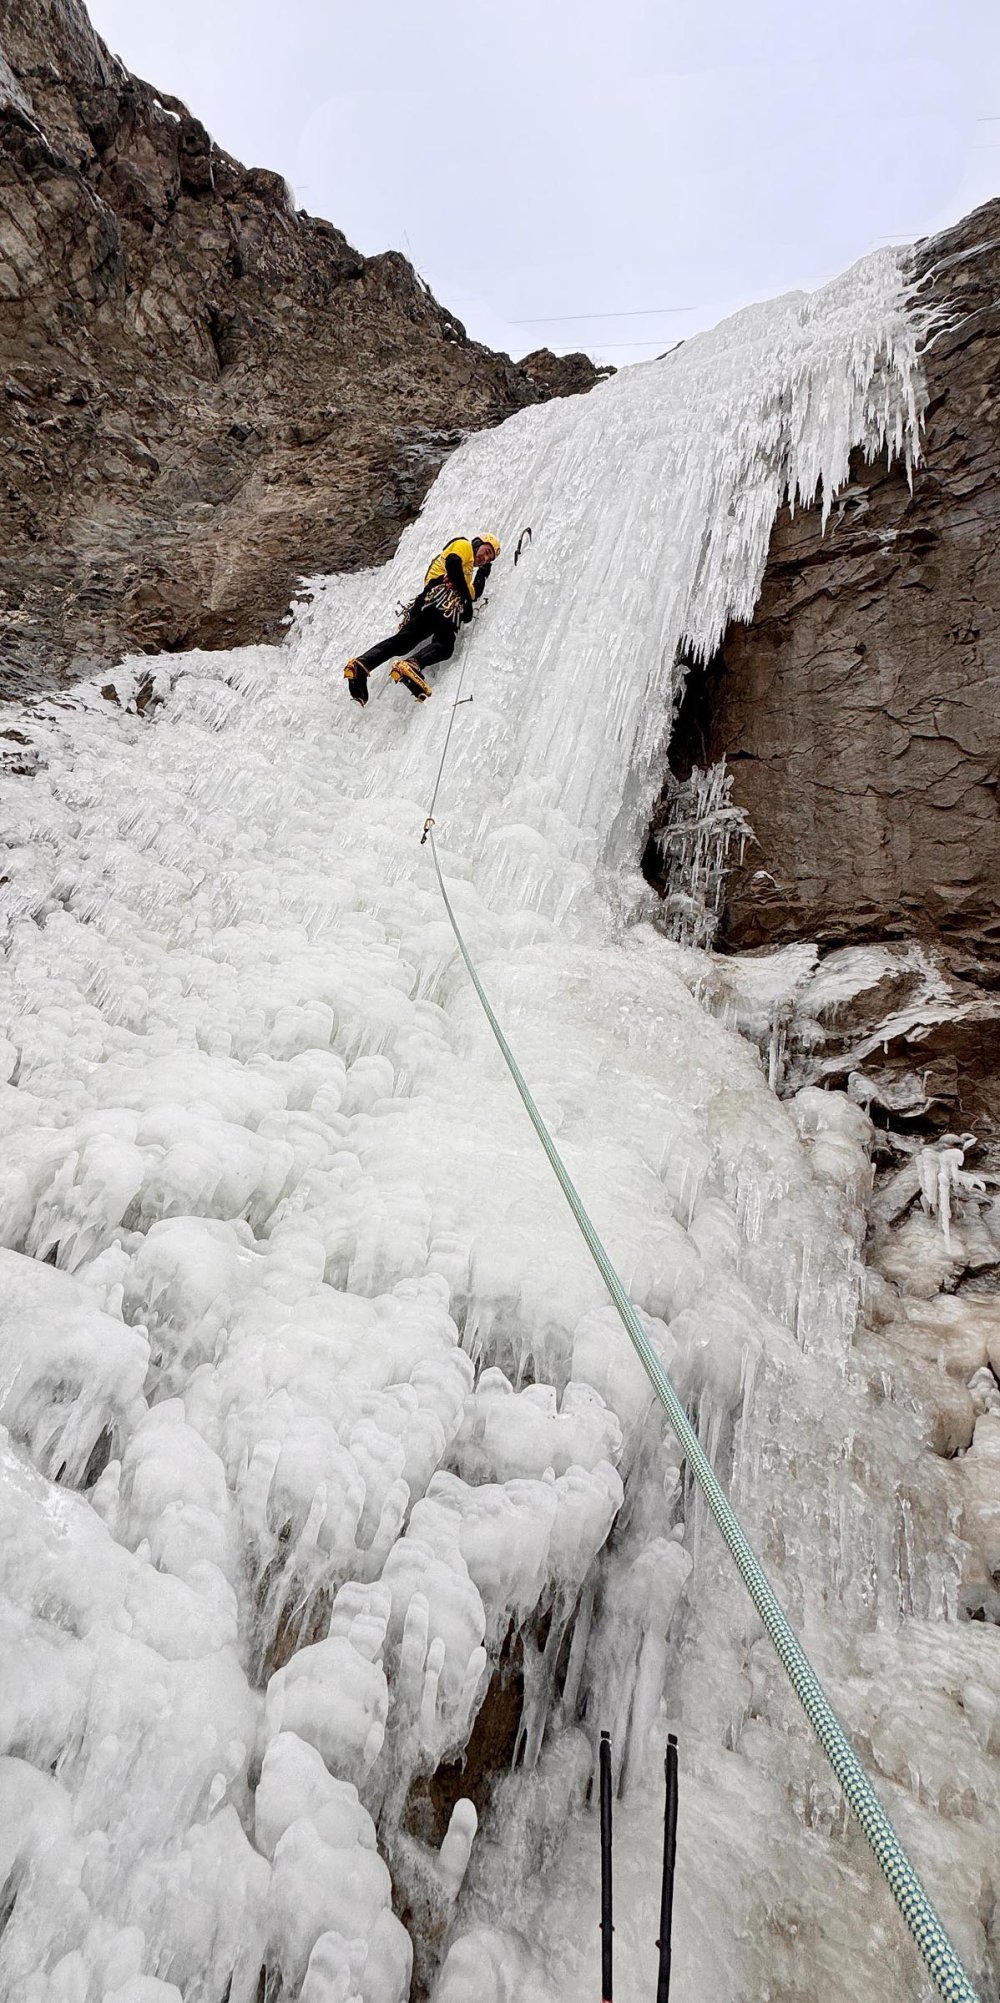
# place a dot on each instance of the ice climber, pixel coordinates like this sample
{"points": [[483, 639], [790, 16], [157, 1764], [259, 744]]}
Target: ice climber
{"points": [[454, 582]]}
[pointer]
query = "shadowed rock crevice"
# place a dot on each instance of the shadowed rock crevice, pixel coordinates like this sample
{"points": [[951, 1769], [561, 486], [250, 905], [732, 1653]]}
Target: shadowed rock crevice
{"points": [[488, 1755]]}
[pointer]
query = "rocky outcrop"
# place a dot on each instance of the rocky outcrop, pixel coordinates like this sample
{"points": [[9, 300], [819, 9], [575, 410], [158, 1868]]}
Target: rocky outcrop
{"points": [[204, 393], [563, 375], [859, 710]]}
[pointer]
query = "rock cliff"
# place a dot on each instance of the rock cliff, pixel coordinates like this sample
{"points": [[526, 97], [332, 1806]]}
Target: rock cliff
{"points": [[859, 710], [562, 375], [204, 393]]}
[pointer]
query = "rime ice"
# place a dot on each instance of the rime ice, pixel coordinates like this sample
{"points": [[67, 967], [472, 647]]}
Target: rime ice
{"points": [[317, 1418]]}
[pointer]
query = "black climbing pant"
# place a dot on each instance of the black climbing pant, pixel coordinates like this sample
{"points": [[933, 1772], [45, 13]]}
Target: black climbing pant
{"points": [[425, 637]]}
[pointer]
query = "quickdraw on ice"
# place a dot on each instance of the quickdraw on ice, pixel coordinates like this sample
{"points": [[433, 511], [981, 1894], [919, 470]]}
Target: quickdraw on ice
{"points": [[456, 705]]}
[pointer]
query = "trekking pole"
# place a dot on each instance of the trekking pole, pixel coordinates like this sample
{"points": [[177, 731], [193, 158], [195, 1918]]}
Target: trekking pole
{"points": [[606, 1927], [669, 1855]]}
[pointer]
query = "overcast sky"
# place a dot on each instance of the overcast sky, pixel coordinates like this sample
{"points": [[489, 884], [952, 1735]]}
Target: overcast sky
{"points": [[602, 176]]}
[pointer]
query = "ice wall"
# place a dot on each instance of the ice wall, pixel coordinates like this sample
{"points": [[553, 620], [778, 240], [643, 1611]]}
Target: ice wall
{"points": [[320, 1433]]}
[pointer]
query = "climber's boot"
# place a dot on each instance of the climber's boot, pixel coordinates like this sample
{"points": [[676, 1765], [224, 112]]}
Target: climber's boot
{"points": [[411, 678], [356, 677]]}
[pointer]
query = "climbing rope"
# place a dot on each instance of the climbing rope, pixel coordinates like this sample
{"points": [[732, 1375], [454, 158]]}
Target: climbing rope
{"points": [[931, 1938]]}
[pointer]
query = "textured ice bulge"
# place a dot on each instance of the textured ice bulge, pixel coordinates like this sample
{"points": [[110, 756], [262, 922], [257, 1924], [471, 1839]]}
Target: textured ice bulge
{"points": [[336, 1518]]}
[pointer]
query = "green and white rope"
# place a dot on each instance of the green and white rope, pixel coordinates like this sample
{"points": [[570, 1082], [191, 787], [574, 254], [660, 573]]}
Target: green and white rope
{"points": [[931, 1938]]}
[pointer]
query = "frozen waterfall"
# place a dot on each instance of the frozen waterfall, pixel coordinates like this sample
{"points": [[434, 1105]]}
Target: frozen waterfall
{"points": [[335, 1516]]}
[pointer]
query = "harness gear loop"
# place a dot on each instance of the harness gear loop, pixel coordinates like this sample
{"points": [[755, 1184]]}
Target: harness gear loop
{"points": [[444, 600]]}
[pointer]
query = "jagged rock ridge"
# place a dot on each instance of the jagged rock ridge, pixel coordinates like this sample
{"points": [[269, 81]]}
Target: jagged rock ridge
{"points": [[204, 393]]}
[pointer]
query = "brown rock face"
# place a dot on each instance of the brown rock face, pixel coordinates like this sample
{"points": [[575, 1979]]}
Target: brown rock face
{"points": [[859, 710], [563, 375], [204, 394]]}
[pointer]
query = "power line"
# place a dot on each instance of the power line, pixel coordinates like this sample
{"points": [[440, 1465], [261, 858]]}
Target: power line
{"points": [[630, 313], [642, 344]]}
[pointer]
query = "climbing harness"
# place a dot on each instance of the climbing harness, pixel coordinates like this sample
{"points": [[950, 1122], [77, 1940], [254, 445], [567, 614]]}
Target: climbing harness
{"points": [[444, 599], [932, 1940]]}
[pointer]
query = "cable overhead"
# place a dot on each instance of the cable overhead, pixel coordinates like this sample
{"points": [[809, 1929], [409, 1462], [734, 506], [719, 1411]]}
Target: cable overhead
{"points": [[627, 313]]}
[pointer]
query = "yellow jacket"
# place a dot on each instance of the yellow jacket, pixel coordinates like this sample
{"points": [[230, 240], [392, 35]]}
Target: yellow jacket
{"points": [[461, 548]]}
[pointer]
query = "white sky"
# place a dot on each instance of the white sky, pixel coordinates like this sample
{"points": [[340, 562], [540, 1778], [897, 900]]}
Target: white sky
{"points": [[640, 169]]}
